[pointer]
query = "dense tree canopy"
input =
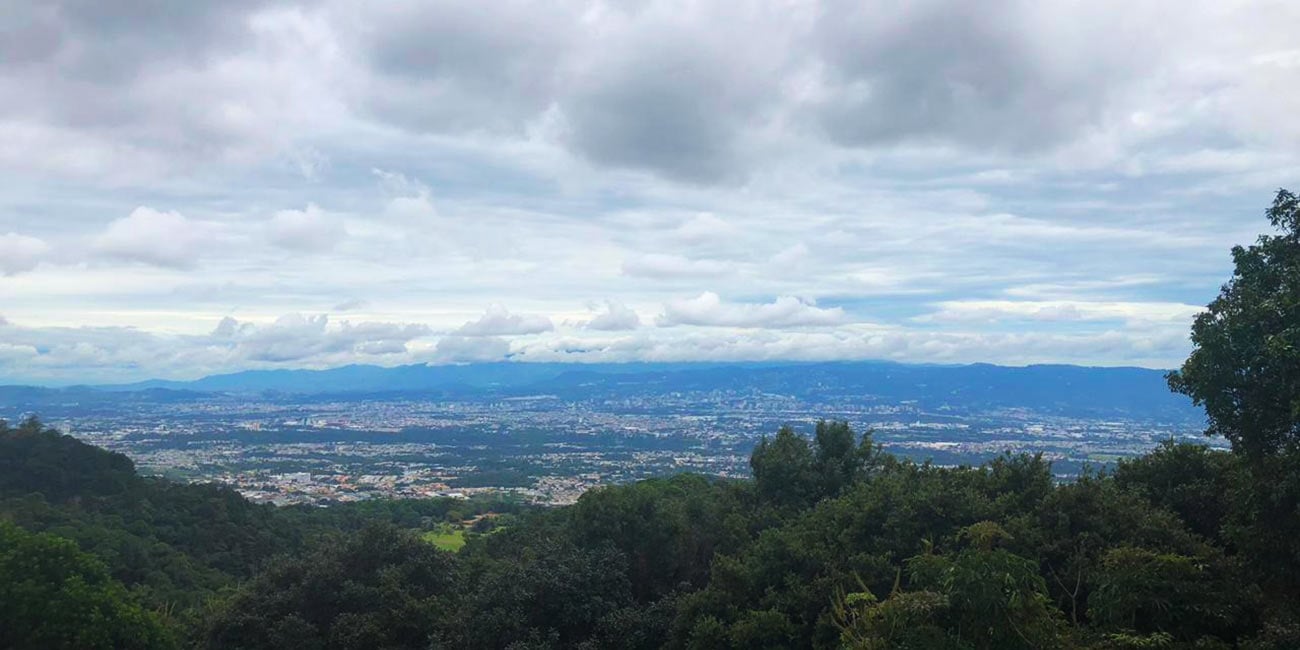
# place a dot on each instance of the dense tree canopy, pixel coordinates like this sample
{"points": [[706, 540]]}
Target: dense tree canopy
{"points": [[380, 588], [789, 471], [867, 552], [1245, 370], [54, 597]]}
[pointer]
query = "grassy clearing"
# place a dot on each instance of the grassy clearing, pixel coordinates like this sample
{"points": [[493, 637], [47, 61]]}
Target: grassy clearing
{"points": [[446, 538]]}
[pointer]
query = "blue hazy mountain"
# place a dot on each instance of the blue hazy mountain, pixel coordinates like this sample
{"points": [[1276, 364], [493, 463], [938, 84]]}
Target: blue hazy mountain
{"points": [[409, 378], [1060, 389]]}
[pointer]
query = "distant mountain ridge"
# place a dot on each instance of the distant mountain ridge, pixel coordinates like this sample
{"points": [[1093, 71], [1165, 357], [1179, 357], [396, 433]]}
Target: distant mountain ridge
{"points": [[370, 379], [1061, 389]]}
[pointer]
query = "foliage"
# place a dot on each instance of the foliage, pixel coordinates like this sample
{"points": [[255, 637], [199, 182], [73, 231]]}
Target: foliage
{"points": [[996, 556], [62, 466], [53, 596], [1245, 370], [1245, 367], [1168, 594], [173, 545], [380, 588], [548, 593], [667, 529], [1192, 481], [790, 472], [981, 597]]}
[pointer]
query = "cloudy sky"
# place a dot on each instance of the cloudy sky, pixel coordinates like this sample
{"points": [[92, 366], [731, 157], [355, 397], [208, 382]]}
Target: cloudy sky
{"points": [[207, 186]]}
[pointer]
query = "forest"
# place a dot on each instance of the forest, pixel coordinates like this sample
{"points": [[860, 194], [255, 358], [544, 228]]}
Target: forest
{"points": [[833, 543]]}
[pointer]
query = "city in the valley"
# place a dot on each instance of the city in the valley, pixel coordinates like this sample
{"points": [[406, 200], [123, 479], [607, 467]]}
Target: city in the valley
{"points": [[320, 448]]}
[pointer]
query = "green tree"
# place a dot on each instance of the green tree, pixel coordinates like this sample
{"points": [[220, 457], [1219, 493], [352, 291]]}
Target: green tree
{"points": [[1185, 597], [1192, 481], [983, 597], [53, 596], [544, 594], [907, 620], [380, 588], [783, 469], [839, 457], [1245, 365], [1245, 370], [788, 471], [38, 459], [668, 529]]}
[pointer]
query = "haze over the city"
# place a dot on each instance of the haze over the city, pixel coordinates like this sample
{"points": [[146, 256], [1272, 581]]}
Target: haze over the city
{"points": [[207, 187]]}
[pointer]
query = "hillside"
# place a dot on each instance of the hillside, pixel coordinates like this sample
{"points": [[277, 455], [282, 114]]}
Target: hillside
{"points": [[833, 543]]}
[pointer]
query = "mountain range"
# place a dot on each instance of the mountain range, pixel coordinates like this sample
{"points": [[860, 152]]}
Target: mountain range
{"points": [[1061, 389]]}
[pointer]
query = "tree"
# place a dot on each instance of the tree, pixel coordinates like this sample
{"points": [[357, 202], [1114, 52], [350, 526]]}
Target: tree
{"points": [[788, 471], [35, 458], [668, 529], [1191, 481], [783, 469], [1245, 365], [1186, 597], [839, 458], [981, 597], [53, 596], [546, 594], [1245, 370], [382, 587]]}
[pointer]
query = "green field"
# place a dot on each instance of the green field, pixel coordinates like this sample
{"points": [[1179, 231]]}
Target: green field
{"points": [[446, 538]]}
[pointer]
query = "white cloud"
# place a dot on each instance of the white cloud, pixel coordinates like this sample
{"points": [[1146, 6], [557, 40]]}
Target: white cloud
{"points": [[112, 354], [704, 227], [861, 343], [226, 328], [790, 257], [616, 316], [992, 311], [705, 92], [660, 265], [409, 199], [411, 208], [296, 337], [708, 309], [20, 253], [105, 354], [152, 237], [498, 321], [309, 229], [351, 304], [467, 349]]}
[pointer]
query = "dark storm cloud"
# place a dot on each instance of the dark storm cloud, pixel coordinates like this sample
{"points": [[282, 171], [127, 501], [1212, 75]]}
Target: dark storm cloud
{"points": [[977, 74], [636, 91], [688, 92], [80, 46], [135, 87], [109, 41], [443, 66], [672, 107], [685, 92]]}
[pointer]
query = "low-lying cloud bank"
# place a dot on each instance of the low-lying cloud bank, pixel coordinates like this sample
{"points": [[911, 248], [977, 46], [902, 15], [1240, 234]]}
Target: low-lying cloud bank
{"points": [[704, 328]]}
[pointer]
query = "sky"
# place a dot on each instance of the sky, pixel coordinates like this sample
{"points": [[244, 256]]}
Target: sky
{"points": [[189, 188]]}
